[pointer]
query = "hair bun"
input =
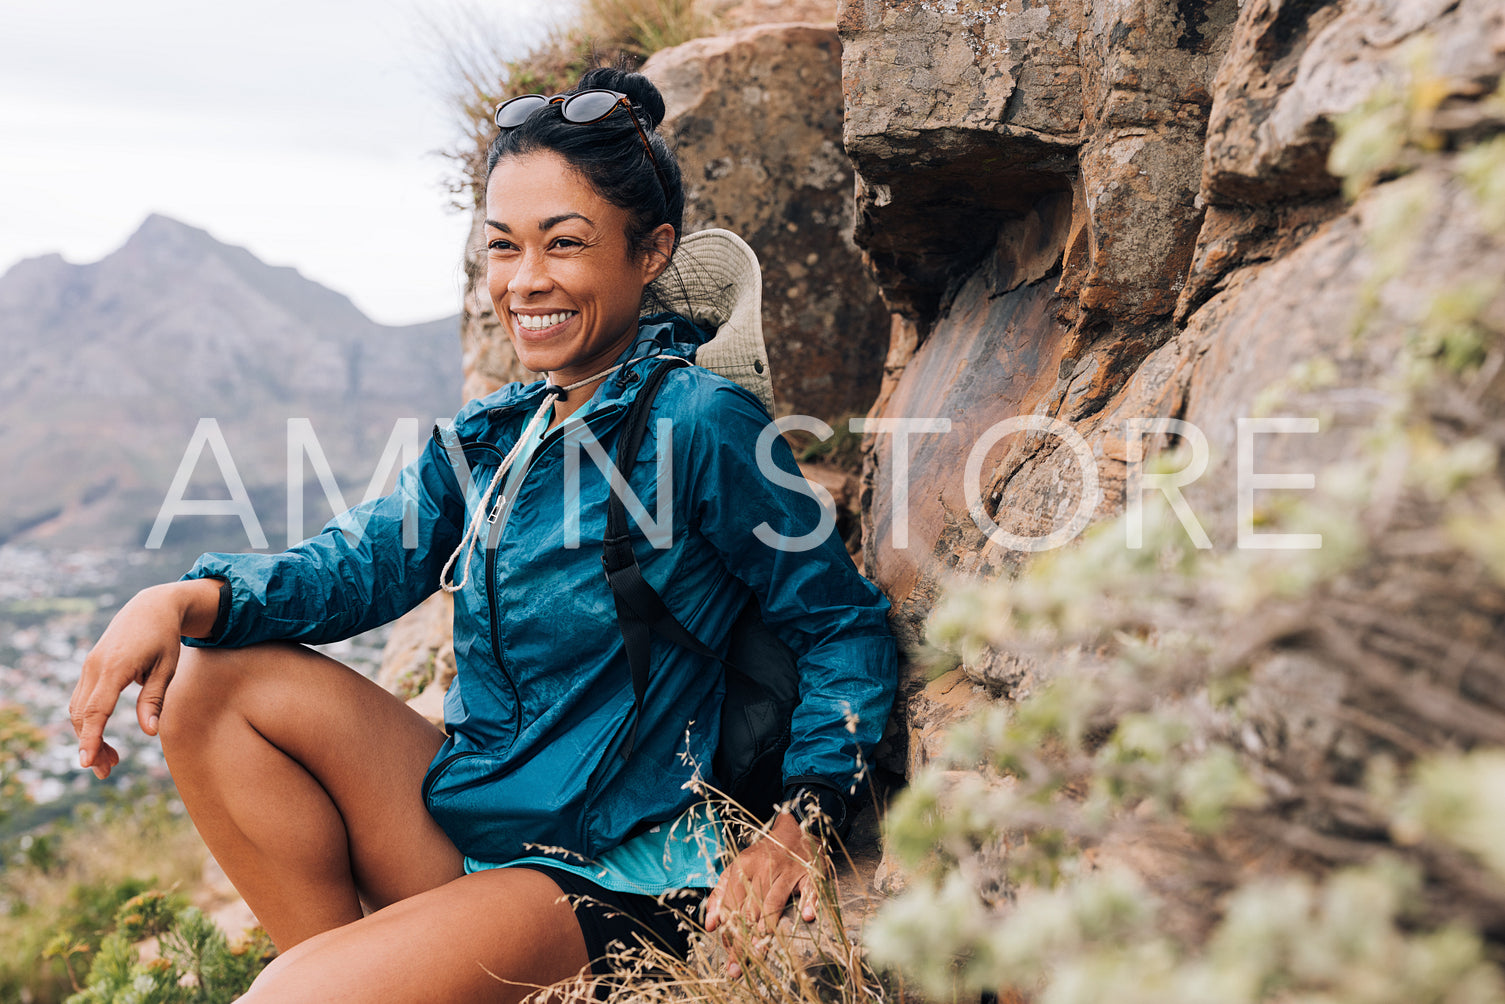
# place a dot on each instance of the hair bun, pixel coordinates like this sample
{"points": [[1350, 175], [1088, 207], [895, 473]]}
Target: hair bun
{"points": [[638, 88]]}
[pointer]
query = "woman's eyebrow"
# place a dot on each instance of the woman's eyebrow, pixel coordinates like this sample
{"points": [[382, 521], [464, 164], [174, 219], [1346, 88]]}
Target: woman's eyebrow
{"points": [[545, 224], [554, 221]]}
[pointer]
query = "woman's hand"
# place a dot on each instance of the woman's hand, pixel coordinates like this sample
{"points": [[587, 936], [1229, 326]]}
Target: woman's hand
{"points": [[141, 645], [759, 883]]}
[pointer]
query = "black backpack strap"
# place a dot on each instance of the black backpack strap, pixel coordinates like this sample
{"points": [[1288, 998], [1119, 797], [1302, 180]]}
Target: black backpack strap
{"points": [[640, 610]]}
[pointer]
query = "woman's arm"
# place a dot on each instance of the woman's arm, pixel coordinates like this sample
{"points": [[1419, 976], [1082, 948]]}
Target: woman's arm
{"points": [[811, 594], [330, 586], [368, 566], [813, 597]]}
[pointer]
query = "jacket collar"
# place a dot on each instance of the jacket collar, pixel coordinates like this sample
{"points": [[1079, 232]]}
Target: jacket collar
{"points": [[658, 335]]}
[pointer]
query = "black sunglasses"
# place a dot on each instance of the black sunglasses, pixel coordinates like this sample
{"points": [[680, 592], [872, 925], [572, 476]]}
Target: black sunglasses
{"points": [[581, 108]]}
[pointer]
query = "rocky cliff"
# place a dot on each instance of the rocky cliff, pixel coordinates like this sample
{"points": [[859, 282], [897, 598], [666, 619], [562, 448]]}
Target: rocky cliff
{"points": [[1100, 212], [1251, 231]]}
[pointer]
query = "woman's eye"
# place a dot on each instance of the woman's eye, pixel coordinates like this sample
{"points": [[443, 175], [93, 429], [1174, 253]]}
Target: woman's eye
{"points": [[568, 243], [500, 245]]}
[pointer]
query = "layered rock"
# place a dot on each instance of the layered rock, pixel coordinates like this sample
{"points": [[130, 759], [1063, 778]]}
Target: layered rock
{"points": [[1291, 70], [946, 153], [755, 119], [733, 15], [1106, 212]]}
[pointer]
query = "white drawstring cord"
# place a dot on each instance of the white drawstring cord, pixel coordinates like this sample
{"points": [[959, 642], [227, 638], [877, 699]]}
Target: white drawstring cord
{"points": [[473, 531]]}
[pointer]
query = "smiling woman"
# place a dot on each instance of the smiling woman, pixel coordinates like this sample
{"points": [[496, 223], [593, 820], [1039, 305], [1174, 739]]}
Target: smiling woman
{"points": [[560, 815]]}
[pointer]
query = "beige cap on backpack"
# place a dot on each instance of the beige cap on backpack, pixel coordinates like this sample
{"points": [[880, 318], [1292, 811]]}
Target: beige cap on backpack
{"points": [[714, 280]]}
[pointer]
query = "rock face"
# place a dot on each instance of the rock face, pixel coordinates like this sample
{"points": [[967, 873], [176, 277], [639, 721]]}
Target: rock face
{"points": [[756, 122], [944, 153], [735, 14], [1094, 213]]}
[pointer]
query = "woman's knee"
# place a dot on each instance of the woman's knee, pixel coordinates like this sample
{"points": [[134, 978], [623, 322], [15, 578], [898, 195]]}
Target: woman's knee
{"points": [[204, 688]]}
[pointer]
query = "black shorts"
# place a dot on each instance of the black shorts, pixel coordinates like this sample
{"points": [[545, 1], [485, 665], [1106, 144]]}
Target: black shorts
{"points": [[617, 922]]}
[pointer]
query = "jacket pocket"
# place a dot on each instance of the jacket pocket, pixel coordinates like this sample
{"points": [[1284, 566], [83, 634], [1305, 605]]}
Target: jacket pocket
{"points": [[498, 807]]}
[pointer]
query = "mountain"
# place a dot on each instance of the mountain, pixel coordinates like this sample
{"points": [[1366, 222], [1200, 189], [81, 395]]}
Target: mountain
{"points": [[108, 368]]}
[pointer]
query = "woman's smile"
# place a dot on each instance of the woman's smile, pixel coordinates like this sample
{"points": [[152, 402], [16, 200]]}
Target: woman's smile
{"points": [[542, 324]]}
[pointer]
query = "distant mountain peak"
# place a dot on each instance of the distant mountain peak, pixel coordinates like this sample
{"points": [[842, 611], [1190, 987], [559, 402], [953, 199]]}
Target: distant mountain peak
{"points": [[38, 269], [168, 245], [162, 223], [162, 237], [174, 326]]}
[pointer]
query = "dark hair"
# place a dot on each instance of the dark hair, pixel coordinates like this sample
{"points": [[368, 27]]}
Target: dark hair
{"points": [[610, 154]]}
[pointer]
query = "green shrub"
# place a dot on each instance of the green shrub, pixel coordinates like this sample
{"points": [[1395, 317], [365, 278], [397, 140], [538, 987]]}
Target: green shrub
{"points": [[196, 965], [58, 904]]}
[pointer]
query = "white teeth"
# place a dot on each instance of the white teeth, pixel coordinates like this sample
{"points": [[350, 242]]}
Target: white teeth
{"points": [[537, 322]]}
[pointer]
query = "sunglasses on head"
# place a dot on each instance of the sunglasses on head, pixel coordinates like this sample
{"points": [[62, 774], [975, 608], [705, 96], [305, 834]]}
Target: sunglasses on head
{"points": [[580, 108]]}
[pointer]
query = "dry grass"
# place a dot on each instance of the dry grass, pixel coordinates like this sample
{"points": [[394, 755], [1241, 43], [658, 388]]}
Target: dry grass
{"points": [[642, 27], [797, 963], [480, 73]]}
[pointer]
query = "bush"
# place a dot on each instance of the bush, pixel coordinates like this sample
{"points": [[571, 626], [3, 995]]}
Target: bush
{"points": [[197, 965], [65, 896]]}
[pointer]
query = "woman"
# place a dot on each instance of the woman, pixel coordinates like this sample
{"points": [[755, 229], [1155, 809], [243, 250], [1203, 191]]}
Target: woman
{"points": [[549, 821]]}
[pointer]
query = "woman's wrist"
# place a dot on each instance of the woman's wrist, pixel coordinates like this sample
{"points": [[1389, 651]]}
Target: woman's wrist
{"points": [[198, 603], [818, 808]]}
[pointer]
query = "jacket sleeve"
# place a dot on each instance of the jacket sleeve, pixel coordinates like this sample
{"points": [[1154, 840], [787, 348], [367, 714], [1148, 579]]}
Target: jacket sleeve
{"points": [[367, 566], [760, 518]]}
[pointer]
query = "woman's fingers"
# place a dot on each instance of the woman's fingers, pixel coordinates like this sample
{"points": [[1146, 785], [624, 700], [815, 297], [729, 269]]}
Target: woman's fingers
{"points": [[105, 760], [93, 702], [713, 909], [807, 898], [154, 690], [777, 892]]}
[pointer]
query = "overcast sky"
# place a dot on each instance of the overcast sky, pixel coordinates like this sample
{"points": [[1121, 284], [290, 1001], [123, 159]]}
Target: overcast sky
{"points": [[304, 130]]}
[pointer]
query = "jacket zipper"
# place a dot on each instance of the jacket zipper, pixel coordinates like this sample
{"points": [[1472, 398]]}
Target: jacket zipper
{"points": [[496, 641], [498, 520], [434, 774]]}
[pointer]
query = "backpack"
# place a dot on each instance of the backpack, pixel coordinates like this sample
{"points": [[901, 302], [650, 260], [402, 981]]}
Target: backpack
{"points": [[762, 678]]}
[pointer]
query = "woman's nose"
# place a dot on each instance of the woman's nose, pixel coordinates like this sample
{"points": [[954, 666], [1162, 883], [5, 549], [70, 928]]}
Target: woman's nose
{"points": [[531, 276]]}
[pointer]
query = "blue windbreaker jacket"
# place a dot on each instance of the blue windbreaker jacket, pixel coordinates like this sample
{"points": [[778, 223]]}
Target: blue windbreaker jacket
{"points": [[543, 699]]}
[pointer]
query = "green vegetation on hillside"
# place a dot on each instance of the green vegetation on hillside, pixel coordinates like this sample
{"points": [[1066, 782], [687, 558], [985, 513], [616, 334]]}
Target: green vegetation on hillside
{"points": [[62, 885], [19, 739], [195, 963]]}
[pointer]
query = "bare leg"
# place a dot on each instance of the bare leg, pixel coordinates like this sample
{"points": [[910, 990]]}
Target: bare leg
{"points": [[492, 936], [304, 778]]}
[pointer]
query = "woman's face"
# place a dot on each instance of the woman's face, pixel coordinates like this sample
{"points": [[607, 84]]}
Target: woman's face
{"points": [[561, 274]]}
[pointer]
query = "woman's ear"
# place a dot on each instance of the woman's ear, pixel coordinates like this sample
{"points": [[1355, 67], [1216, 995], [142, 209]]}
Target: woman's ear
{"points": [[661, 249]]}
